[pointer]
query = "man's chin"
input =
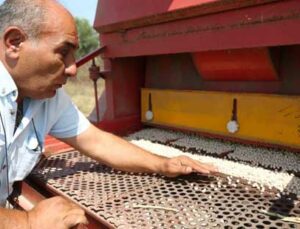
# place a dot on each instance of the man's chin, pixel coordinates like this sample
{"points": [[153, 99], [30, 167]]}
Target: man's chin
{"points": [[52, 94], [47, 95]]}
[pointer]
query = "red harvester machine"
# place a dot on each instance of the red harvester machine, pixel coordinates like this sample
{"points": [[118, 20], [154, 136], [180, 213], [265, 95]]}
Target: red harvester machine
{"points": [[227, 69]]}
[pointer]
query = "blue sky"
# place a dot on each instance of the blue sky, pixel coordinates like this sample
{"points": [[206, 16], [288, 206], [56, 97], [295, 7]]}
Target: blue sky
{"points": [[80, 8]]}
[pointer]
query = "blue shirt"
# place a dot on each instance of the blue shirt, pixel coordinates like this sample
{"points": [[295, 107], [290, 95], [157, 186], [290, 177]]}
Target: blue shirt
{"points": [[56, 116]]}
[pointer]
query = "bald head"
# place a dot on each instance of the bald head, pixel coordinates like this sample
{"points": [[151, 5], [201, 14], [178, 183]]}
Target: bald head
{"points": [[31, 16], [38, 41]]}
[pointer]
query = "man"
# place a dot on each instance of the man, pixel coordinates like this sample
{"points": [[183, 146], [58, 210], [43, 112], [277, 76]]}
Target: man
{"points": [[38, 40]]}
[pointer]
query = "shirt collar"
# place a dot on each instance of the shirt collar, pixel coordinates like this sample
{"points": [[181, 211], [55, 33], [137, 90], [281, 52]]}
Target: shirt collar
{"points": [[7, 84]]}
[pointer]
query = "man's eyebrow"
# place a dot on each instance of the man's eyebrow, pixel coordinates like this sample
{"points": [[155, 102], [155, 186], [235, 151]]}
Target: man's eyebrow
{"points": [[70, 44]]}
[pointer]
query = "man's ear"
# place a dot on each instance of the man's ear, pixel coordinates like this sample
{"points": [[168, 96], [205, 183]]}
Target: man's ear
{"points": [[13, 38]]}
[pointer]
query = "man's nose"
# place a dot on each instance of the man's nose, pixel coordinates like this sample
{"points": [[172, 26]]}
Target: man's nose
{"points": [[71, 70]]}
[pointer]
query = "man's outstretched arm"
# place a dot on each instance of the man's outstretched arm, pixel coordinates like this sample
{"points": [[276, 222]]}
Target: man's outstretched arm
{"points": [[120, 154]]}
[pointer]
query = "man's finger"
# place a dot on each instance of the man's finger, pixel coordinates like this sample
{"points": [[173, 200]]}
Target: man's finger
{"points": [[196, 166], [187, 169], [206, 169], [80, 226], [205, 166], [76, 211], [72, 220], [209, 167]]}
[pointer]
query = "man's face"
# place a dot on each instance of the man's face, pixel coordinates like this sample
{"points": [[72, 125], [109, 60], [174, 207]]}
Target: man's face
{"points": [[45, 64]]}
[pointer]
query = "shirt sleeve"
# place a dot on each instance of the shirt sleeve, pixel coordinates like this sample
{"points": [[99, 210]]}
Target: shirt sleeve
{"points": [[70, 122]]}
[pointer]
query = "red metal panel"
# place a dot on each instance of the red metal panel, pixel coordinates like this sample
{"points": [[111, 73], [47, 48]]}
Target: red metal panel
{"points": [[265, 25], [178, 72], [123, 15], [123, 85], [238, 64], [121, 126], [113, 11]]}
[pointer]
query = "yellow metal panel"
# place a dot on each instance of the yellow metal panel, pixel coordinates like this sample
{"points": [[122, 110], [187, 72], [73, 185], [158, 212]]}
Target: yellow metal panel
{"points": [[267, 118]]}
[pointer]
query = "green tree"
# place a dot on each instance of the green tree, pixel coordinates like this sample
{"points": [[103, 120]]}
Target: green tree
{"points": [[88, 37]]}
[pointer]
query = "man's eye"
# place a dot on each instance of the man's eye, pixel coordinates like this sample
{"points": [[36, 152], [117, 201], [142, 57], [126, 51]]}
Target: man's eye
{"points": [[64, 52]]}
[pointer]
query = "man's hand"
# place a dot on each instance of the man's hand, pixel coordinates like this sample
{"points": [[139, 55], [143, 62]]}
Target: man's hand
{"points": [[56, 213], [181, 165]]}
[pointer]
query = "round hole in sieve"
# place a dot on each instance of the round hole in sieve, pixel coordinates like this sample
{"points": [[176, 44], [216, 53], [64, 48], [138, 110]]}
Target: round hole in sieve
{"points": [[296, 211], [255, 203], [222, 208], [235, 223], [218, 204], [254, 220], [228, 227], [241, 198], [266, 222], [227, 194], [261, 217], [248, 225]]}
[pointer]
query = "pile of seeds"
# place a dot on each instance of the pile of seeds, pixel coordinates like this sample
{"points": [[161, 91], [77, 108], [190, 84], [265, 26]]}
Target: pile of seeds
{"points": [[261, 167]]}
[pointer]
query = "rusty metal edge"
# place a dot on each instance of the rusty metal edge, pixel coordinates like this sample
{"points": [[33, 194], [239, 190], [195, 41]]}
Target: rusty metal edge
{"points": [[90, 56], [29, 197]]}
